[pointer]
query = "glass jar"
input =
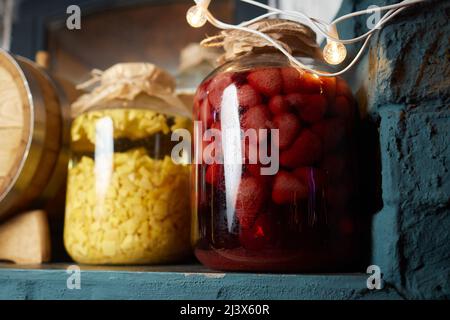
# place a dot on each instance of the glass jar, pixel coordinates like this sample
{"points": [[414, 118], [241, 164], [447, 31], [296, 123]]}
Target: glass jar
{"points": [[300, 217], [126, 198]]}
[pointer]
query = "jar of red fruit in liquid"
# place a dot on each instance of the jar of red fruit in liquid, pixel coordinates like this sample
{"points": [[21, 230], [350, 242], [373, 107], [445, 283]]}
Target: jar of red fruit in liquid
{"points": [[302, 217]]}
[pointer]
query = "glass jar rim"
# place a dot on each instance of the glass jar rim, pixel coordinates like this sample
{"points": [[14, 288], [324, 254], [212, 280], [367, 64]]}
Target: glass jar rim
{"points": [[255, 60]]}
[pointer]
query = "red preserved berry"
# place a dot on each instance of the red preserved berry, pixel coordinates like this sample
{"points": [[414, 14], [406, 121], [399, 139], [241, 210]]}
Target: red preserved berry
{"points": [[216, 87], [306, 150], [288, 126], [294, 100], [247, 96], [256, 117], [254, 169], [266, 81], [278, 104], [287, 188], [292, 80], [312, 108], [250, 197]]}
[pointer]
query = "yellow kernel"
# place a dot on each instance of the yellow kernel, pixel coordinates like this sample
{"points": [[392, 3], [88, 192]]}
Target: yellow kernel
{"points": [[109, 248], [127, 243]]}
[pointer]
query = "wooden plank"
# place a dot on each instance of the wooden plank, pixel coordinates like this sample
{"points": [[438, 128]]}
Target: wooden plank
{"points": [[25, 238], [179, 282]]}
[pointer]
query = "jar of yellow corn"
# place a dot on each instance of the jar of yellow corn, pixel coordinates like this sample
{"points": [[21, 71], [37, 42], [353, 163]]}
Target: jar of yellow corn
{"points": [[126, 199]]}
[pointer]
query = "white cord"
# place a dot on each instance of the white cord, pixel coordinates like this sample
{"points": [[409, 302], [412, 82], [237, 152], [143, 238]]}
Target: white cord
{"points": [[372, 10], [293, 60], [317, 24], [324, 33], [314, 21]]}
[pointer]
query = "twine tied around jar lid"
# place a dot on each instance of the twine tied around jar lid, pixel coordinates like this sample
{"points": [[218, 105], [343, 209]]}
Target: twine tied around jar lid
{"points": [[131, 85], [298, 39]]}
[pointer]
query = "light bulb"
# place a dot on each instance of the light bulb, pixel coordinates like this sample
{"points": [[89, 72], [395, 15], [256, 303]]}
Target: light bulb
{"points": [[334, 52], [196, 16]]}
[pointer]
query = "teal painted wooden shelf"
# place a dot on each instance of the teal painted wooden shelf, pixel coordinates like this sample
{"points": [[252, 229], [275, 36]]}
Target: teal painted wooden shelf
{"points": [[191, 282]]}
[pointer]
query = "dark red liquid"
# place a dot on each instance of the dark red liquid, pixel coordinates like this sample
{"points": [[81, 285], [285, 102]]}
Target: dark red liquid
{"points": [[301, 218]]}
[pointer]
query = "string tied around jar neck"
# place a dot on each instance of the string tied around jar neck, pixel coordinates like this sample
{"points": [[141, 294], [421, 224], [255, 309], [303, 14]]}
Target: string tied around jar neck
{"points": [[296, 38], [130, 85]]}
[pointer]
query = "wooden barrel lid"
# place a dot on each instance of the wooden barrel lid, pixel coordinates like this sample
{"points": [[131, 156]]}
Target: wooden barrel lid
{"points": [[15, 121]]}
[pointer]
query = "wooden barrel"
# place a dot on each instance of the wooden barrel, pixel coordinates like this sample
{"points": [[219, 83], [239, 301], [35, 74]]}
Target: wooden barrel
{"points": [[34, 135]]}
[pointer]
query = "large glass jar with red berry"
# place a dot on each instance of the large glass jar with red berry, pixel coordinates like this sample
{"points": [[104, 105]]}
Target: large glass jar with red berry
{"points": [[274, 178]]}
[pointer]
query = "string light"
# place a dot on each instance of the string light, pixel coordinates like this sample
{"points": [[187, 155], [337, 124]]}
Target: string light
{"points": [[334, 51], [196, 16]]}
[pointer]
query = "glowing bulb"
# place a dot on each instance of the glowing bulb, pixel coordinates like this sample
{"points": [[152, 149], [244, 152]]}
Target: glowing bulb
{"points": [[196, 16], [334, 52]]}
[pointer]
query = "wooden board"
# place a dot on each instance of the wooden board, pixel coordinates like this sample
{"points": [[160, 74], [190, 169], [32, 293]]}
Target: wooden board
{"points": [[25, 239], [181, 282]]}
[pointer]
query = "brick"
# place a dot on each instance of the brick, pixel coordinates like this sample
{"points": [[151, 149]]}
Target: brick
{"points": [[415, 155], [408, 60], [410, 233]]}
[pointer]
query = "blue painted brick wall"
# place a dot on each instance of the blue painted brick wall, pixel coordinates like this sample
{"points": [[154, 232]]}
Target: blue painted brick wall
{"points": [[406, 92]]}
